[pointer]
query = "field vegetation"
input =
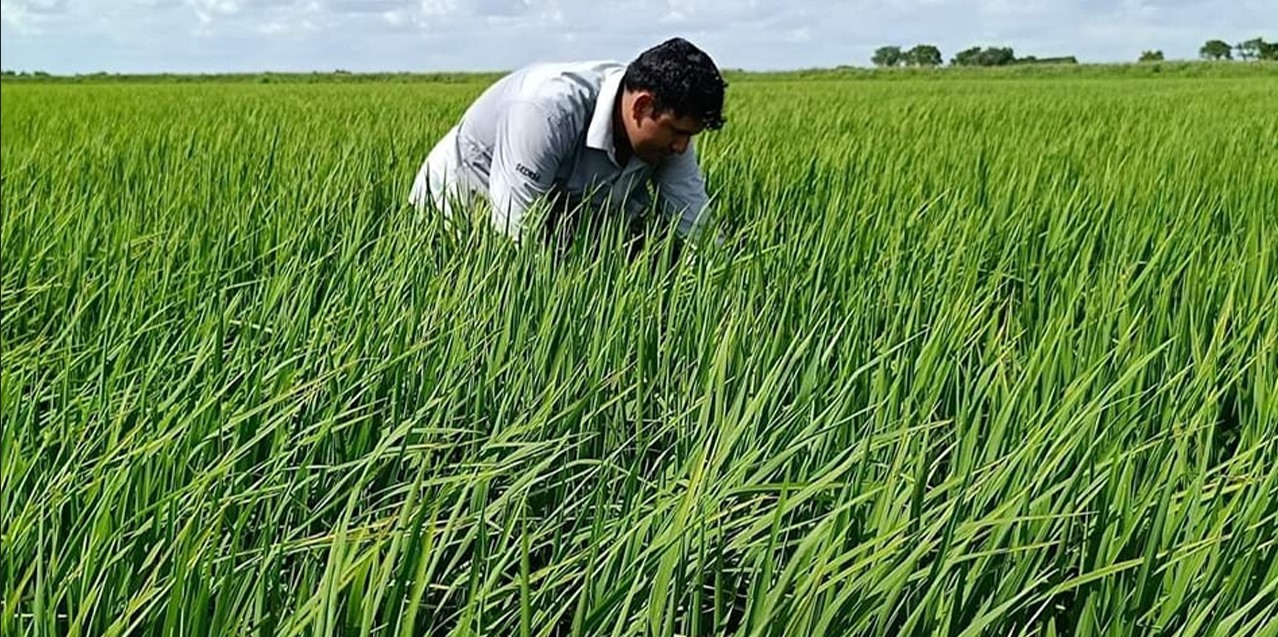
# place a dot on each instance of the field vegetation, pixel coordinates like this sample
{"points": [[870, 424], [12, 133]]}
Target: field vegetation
{"points": [[981, 355]]}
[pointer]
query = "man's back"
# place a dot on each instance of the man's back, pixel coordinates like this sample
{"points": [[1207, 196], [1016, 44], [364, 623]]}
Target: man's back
{"points": [[567, 92]]}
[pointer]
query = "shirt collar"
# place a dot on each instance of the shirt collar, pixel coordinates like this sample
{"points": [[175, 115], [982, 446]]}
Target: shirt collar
{"points": [[599, 135]]}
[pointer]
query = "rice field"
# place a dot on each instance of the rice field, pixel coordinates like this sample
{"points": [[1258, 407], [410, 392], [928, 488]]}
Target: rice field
{"points": [[979, 357]]}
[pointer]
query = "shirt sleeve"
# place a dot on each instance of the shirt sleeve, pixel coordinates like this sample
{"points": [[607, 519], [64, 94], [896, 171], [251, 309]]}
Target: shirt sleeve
{"points": [[527, 150], [681, 192]]}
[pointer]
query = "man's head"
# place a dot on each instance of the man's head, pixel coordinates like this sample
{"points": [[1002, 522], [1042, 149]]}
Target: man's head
{"points": [[670, 93]]}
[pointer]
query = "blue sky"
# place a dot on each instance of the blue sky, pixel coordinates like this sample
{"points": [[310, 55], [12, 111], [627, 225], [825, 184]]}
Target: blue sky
{"points": [[84, 36]]}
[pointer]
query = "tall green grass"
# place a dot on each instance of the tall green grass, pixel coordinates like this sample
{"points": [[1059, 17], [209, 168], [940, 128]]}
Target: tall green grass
{"points": [[978, 358]]}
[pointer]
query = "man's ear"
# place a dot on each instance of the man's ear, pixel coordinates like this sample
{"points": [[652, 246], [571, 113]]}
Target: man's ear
{"points": [[642, 105]]}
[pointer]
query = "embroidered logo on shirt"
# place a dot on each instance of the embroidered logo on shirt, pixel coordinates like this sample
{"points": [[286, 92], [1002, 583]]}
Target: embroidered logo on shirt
{"points": [[528, 172]]}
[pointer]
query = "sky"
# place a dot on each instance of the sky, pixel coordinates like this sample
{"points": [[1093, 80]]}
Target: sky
{"points": [[214, 36]]}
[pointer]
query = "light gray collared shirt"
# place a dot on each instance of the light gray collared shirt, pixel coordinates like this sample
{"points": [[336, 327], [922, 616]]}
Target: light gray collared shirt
{"points": [[549, 128]]}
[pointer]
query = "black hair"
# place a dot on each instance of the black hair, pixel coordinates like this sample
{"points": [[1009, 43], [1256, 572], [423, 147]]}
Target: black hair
{"points": [[682, 79]]}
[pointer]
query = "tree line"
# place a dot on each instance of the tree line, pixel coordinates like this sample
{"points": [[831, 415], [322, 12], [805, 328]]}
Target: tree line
{"points": [[930, 55], [1253, 49]]}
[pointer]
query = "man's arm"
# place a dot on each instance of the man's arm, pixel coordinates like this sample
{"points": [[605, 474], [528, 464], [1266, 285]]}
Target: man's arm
{"points": [[681, 192], [530, 143]]}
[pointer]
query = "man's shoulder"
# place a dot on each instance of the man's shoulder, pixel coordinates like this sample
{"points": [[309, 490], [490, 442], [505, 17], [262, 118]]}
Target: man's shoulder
{"points": [[563, 89]]}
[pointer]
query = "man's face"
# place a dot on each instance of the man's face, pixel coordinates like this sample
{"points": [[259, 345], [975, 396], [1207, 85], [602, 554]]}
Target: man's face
{"points": [[658, 136]]}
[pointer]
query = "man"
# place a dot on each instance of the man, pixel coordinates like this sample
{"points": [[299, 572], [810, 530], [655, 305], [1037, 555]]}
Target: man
{"points": [[582, 138]]}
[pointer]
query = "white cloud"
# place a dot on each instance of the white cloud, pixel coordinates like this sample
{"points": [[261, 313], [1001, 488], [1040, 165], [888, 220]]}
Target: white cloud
{"points": [[420, 35], [207, 10], [46, 6], [397, 18], [288, 27], [29, 17], [437, 7]]}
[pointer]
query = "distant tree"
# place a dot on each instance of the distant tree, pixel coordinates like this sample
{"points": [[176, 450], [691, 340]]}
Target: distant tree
{"points": [[989, 56], [966, 57], [996, 56], [888, 56], [1269, 50], [1216, 50], [1029, 59], [1249, 49], [923, 55], [1151, 56]]}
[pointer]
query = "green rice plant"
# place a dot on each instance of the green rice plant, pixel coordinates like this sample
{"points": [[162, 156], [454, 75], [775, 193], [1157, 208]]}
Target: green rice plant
{"points": [[980, 356]]}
